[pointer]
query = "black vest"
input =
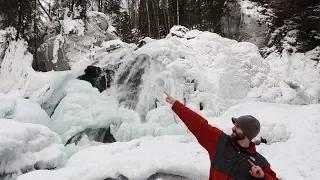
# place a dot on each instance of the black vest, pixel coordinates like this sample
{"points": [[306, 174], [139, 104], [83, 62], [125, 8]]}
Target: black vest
{"points": [[234, 163]]}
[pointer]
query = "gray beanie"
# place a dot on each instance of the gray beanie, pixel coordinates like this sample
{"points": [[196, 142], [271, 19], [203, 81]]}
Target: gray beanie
{"points": [[249, 125]]}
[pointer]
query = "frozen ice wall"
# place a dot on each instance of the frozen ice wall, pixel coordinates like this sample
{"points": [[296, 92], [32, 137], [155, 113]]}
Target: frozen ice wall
{"points": [[201, 69]]}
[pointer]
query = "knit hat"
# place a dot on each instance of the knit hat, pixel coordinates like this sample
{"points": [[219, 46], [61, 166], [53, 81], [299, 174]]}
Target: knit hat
{"points": [[249, 125]]}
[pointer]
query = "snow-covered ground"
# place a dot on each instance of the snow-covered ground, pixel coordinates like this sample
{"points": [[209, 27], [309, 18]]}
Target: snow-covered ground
{"points": [[41, 111], [292, 133]]}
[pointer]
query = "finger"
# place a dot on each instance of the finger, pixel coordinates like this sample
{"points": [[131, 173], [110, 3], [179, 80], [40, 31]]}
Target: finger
{"points": [[255, 170], [252, 164], [251, 172], [167, 94]]}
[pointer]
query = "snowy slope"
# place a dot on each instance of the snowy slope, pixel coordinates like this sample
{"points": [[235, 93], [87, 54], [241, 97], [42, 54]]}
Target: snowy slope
{"points": [[292, 132], [25, 147]]}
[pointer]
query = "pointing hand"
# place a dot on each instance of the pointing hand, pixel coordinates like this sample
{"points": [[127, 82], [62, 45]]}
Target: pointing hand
{"points": [[170, 99], [256, 171]]}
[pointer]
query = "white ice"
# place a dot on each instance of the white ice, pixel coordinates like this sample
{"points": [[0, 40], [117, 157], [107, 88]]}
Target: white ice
{"points": [[25, 146]]}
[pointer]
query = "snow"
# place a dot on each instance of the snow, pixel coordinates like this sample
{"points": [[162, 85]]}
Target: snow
{"points": [[57, 44], [15, 65], [200, 67], [27, 146], [292, 79], [27, 111], [137, 159], [256, 10], [291, 131], [74, 26], [84, 107]]}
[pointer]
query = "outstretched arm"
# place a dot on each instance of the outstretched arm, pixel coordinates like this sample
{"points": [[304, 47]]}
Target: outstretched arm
{"points": [[206, 134]]}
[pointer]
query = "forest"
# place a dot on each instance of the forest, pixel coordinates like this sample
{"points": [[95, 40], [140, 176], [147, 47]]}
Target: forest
{"points": [[135, 19]]}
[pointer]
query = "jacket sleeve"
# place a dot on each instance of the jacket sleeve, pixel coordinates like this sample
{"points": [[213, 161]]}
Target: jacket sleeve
{"points": [[206, 135], [269, 174]]}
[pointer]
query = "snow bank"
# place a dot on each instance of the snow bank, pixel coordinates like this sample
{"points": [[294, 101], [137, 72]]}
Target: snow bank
{"points": [[138, 159], [25, 147], [28, 111], [292, 79], [292, 133]]}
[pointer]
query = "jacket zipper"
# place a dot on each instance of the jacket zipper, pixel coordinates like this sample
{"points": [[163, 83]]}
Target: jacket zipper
{"points": [[233, 165]]}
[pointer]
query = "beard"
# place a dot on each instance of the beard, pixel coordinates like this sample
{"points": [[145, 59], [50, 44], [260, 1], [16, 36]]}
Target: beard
{"points": [[237, 136]]}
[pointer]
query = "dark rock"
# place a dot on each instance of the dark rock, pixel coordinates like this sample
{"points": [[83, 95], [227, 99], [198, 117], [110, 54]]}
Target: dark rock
{"points": [[165, 176], [141, 43], [99, 78], [8, 176], [99, 135], [121, 177], [259, 141]]}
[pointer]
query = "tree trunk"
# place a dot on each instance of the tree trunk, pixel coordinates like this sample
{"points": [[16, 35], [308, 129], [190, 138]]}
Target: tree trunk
{"points": [[178, 22], [35, 31], [149, 26], [168, 14], [19, 21], [71, 9], [100, 5], [199, 14], [156, 17], [165, 21]]}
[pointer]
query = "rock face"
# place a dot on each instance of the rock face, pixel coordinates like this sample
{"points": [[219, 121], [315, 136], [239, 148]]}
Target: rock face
{"points": [[272, 26], [46, 58], [243, 22], [99, 78], [60, 51]]}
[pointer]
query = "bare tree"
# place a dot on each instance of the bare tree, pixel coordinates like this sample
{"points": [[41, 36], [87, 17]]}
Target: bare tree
{"points": [[149, 24]]}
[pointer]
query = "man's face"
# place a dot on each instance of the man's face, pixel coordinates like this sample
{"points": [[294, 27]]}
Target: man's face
{"points": [[237, 133]]}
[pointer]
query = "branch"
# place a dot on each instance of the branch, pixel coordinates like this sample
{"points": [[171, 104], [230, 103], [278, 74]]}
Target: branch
{"points": [[45, 10]]}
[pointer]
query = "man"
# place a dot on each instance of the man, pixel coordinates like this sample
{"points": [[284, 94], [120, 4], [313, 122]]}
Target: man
{"points": [[232, 157]]}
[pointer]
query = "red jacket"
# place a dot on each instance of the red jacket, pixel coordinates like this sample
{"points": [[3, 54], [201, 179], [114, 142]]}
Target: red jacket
{"points": [[227, 163]]}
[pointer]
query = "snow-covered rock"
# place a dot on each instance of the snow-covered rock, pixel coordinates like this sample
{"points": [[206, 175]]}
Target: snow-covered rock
{"points": [[78, 37], [23, 110], [84, 107], [197, 68], [137, 159], [26, 147]]}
